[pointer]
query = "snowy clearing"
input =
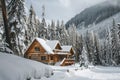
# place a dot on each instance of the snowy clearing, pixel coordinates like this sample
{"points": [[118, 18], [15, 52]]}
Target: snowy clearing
{"points": [[17, 68], [93, 73]]}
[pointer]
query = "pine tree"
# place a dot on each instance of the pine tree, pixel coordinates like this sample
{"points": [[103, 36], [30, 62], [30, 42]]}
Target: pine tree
{"points": [[84, 58], [52, 31], [76, 40], [63, 34], [108, 48], [32, 26], [78, 47], [114, 44], [43, 31], [17, 17], [89, 45], [72, 31], [58, 29], [95, 55], [118, 33], [104, 54]]}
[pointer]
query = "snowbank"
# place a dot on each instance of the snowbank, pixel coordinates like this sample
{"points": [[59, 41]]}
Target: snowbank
{"points": [[91, 73], [16, 68]]}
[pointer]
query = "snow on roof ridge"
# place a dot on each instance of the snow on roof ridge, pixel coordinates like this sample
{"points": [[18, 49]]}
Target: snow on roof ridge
{"points": [[66, 47], [52, 43], [44, 45]]}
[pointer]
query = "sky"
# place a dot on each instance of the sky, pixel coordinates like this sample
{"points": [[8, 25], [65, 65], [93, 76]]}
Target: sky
{"points": [[60, 9]]}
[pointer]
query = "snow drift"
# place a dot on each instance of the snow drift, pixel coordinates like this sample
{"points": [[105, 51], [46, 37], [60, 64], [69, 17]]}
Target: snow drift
{"points": [[16, 68]]}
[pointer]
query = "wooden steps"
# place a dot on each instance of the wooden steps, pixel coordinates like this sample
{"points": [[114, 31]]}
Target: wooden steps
{"points": [[67, 61]]}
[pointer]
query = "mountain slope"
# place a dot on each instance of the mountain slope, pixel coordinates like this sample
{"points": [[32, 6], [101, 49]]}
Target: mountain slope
{"points": [[95, 14], [101, 27]]}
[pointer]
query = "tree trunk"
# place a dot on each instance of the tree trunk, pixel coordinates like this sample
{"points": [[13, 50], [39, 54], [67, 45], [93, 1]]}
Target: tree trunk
{"points": [[4, 13]]}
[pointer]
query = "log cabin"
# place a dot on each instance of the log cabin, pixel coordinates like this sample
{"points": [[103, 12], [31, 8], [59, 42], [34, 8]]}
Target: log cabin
{"points": [[48, 51]]}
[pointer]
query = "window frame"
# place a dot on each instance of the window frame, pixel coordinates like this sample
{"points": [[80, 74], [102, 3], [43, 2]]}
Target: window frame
{"points": [[43, 58], [37, 49]]}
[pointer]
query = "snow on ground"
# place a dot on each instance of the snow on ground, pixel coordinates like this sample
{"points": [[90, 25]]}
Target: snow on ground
{"points": [[92, 73], [16, 68]]}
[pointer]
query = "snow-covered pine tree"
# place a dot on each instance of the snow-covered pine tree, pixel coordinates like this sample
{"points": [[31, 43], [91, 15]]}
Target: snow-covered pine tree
{"points": [[72, 31], [114, 44], [89, 45], [63, 34], [95, 54], [52, 31], [43, 31], [17, 18], [49, 32], [103, 54], [58, 29], [32, 26], [118, 33], [108, 48], [76, 40], [84, 58], [78, 47]]}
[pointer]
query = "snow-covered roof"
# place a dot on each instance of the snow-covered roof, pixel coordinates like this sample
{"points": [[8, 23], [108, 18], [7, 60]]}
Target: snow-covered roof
{"points": [[44, 45], [52, 43], [49, 46], [66, 48]]}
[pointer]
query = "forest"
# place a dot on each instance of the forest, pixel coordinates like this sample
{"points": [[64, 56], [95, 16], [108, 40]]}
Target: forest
{"points": [[89, 48]]}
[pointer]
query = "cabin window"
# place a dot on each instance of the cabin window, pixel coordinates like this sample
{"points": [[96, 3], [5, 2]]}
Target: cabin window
{"points": [[43, 57], [37, 49]]}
